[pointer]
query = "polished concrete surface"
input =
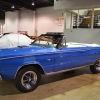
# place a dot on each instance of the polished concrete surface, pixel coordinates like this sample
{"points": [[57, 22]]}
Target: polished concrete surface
{"points": [[80, 84]]}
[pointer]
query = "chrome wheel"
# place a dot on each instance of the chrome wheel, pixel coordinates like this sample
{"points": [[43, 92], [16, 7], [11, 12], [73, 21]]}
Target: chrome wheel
{"points": [[98, 65], [29, 79]]}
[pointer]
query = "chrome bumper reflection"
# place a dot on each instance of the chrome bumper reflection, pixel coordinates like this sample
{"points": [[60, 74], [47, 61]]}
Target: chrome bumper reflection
{"points": [[0, 78]]}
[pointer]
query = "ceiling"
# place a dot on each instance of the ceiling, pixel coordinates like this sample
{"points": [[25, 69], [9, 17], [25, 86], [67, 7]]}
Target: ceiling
{"points": [[5, 5]]}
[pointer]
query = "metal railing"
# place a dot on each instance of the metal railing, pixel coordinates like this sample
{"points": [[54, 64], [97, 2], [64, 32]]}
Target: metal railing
{"points": [[77, 23]]}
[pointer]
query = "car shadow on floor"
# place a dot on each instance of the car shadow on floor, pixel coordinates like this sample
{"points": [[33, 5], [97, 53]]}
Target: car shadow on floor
{"points": [[7, 87], [64, 75]]}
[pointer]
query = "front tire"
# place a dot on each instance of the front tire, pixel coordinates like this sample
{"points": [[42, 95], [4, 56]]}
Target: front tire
{"points": [[96, 67], [27, 79]]}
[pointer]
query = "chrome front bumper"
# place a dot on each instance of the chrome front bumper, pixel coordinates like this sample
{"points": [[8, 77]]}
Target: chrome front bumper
{"points": [[0, 78]]}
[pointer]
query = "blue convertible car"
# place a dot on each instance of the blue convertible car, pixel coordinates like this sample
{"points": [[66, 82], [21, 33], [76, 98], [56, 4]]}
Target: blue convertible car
{"points": [[49, 54]]}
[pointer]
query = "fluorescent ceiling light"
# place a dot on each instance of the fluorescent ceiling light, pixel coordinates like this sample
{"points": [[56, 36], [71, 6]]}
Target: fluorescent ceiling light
{"points": [[33, 3], [87, 17], [12, 6]]}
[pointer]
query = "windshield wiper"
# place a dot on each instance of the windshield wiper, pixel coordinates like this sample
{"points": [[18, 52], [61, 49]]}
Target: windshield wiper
{"points": [[22, 46]]}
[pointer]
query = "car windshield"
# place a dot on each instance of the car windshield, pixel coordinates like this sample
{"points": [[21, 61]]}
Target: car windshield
{"points": [[47, 41]]}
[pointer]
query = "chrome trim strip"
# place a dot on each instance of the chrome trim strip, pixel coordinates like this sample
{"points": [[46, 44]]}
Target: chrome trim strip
{"points": [[28, 64], [33, 55], [25, 56], [30, 55], [0, 78], [52, 73]]}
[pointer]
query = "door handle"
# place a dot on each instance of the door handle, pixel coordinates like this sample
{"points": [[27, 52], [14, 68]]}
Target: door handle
{"points": [[82, 51], [48, 59]]}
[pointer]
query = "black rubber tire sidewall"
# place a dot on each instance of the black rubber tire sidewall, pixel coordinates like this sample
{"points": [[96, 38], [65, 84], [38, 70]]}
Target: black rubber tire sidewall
{"points": [[17, 80]]}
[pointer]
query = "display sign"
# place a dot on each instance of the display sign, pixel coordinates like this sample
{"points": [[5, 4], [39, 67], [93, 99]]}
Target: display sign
{"points": [[59, 20]]}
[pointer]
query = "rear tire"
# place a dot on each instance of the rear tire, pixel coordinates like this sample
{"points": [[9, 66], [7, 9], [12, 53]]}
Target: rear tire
{"points": [[96, 67], [27, 79]]}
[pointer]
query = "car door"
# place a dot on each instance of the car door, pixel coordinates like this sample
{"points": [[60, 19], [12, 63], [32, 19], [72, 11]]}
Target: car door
{"points": [[46, 59], [67, 58]]}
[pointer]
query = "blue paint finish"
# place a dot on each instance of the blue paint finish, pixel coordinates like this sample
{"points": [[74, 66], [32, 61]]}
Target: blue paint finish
{"points": [[50, 59], [92, 54], [69, 59]]}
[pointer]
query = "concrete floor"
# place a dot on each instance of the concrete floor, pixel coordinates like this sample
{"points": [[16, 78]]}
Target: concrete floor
{"points": [[74, 85]]}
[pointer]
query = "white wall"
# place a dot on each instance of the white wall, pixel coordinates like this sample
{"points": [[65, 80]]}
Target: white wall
{"points": [[11, 21], [76, 4], [27, 22], [46, 20], [42, 23], [2, 26], [68, 20], [83, 35]]}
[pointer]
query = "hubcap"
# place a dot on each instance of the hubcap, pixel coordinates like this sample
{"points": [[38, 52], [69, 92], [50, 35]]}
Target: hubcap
{"points": [[98, 65], [29, 79]]}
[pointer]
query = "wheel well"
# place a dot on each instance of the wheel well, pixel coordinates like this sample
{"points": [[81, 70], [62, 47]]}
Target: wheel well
{"points": [[38, 67]]}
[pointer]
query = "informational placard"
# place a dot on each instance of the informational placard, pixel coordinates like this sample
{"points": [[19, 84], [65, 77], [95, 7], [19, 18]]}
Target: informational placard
{"points": [[59, 21]]}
